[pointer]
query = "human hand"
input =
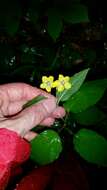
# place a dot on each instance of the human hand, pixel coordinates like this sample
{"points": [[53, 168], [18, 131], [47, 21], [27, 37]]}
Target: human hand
{"points": [[13, 96]]}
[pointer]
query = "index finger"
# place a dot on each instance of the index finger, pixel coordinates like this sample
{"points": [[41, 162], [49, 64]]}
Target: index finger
{"points": [[20, 91]]}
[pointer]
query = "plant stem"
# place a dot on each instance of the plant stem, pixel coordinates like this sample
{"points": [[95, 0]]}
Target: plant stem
{"points": [[59, 99], [69, 131]]}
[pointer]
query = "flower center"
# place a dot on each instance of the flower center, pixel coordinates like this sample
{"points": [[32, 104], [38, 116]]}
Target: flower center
{"points": [[62, 82], [48, 83]]}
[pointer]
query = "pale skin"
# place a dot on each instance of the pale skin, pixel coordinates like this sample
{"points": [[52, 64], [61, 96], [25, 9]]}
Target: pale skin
{"points": [[13, 96]]}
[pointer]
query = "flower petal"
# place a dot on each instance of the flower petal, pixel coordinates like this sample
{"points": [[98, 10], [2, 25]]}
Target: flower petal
{"points": [[60, 88], [55, 83], [44, 79], [51, 78], [67, 85], [67, 79], [61, 77], [43, 85], [48, 88]]}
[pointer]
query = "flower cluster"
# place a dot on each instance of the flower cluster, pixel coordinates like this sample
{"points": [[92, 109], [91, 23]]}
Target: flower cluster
{"points": [[61, 84], [47, 83]]}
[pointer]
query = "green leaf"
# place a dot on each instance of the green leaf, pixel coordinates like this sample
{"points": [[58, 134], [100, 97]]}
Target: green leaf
{"points": [[46, 147], [10, 14], [76, 82], [90, 116], [54, 24], [88, 95], [91, 146], [33, 101], [76, 14]]}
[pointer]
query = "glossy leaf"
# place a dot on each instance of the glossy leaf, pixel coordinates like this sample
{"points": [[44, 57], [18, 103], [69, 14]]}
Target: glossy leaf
{"points": [[91, 146], [46, 147], [33, 101], [88, 95], [90, 116], [76, 82]]}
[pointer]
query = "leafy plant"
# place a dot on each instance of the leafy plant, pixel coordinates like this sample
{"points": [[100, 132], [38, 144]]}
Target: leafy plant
{"points": [[41, 37], [80, 99]]}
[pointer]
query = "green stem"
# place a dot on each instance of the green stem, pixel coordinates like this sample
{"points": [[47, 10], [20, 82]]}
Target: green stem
{"points": [[69, 131], [59, 99]]}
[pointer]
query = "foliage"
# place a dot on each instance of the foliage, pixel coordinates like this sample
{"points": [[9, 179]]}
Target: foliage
{"points": [[91, 116], [87, 143], [88, 95], [46, 147], [76, 82], [41, 37], [33, 101], [91, 146]]}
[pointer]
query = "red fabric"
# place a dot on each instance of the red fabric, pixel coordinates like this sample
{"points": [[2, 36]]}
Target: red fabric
{"points": [[13, 151], [64, 174], [38, 179]]}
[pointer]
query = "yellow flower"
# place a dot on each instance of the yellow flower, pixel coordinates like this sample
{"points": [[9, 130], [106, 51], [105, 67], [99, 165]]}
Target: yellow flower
{"points": [[47, 83], [62, 83]]}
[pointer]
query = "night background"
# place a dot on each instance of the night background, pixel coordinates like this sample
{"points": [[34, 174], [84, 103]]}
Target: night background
{"points": [[42, 37]]}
